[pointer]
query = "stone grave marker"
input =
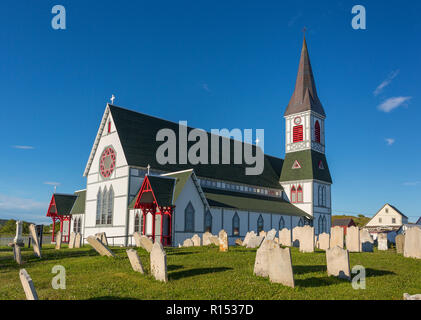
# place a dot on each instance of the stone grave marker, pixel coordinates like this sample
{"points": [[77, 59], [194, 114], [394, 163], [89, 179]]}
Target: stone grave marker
{"points": [[223, 241], [366, 241], [261, 263], [215, 240], [197, 242], [35, 242], [337, 237], [338, 263], [285, 237], [271, 235], [255, 242], [18, 238], [382, 242], [407, 296], [159, 262], [17, 254], [353, 239], [99, 247], [135, 261], [307, 239], [239, 242], [296, 232], [102, 237], [28, 285], [324, 241], [206, 238], [72, 240], [78, 240], [58, 240], [262, 234], [412, 247], [400, 243], [280, 266], [188, 243]]}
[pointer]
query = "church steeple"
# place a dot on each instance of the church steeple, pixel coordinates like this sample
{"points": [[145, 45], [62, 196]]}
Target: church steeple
{"points": [[305, 96]]}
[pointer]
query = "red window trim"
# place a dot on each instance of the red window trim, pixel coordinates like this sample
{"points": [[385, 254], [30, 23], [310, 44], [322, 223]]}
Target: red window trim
{"points": [[293, 195], [109, 126], [300, 191]]}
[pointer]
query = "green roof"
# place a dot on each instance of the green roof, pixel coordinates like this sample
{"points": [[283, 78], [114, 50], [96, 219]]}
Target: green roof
{"points": [[250, 202], [137, 133], [64, 203], [79, 205], [309, 161]]}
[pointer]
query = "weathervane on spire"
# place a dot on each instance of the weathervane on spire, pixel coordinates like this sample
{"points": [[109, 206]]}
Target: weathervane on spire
{"points": [[112, 99]]}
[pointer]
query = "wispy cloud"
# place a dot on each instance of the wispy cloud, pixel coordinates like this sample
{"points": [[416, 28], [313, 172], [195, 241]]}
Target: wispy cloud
{"points": [[292, 21], [390, 141], [386, 82], [205, 87], [393, 103], [412, 183], [24, 147], [23, 209]]}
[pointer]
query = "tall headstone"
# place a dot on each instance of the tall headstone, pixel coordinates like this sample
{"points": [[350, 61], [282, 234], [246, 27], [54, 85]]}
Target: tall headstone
{"points": [[249, 235], [99, 247], [337, 237], [296, 232], [285, 237], [353, 239], [28, 285], [223, 241], [58, 240], [271, 235], [307, 239], [35, 242], [135, 260], [197, 242], [206, 238], [188, 243], [17, 254], [366, 241], [338, 263], [382, 242], [254, 242], [159, 262], [72, 240], [400, 243], [412, 248], [261, 263], [280, 266], [324, 241], [78, 240], [18, 238]]}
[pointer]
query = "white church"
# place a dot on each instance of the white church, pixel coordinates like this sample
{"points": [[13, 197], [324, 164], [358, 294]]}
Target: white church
{"points": [[128, 191]]}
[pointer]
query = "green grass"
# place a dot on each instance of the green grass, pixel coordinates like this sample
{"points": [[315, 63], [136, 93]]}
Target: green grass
{"points": [[204, 273]]}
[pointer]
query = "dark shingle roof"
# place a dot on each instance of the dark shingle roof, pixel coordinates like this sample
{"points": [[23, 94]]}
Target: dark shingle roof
{"points": [[342, 222], [64, 203], [137, 133], [163, 189], [398, 211], [79, 205]]}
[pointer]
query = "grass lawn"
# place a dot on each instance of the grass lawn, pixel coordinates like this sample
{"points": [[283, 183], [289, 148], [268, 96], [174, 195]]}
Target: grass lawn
{"points": [[203, 273]]}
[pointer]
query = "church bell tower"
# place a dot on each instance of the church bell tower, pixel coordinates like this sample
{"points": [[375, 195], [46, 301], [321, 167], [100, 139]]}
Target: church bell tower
{"points": [[305, 173]]}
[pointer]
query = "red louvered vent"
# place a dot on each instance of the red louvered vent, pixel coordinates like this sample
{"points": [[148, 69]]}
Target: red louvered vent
{"points": [[297, 134], [317, 131]]}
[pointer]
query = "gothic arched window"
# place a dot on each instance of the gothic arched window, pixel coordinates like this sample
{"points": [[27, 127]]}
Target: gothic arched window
{"points": [[320, 221], [137, 222], [281, 223], [293, 195], [104, 206], [208, 222], [98, 206], [301, 222], [317, 132], [324, 197], [300, 195], [236, 225], [110, 206], [189, 218], [260, 224], [79, 225]]}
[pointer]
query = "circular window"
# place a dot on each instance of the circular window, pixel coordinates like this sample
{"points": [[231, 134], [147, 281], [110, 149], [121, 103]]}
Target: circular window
{"points": [[107, 162]]}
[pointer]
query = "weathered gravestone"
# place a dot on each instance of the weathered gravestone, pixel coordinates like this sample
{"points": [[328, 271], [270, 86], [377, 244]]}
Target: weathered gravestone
{"points": [[135, 260], [188, 243], [215, 240], [247, 238], [143, 241], [18, 238], [338, 263], [159, 262], [337, 237], [197, 242], [296, 232], [17, 254], [316, 241], [28, 285], [72, 240], [206, 238], [367, 242], [35, 242], [58, 240], [102, 237], [307, 239], [99, 247], [407, 296], [254, 242], [285, 237], [271, 235], [262, 234], [412, 248], [324, 241], [400, 243], [223, 241], [353, 239], [78, 240], [280, 266], [382, 242], [261, 263]]}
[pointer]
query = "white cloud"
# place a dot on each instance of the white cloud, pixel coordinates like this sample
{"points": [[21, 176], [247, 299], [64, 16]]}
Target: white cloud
{"points": [[393, 103], [390, 141], [412, 183], [386, 82], [24, 147], [23, 209]]}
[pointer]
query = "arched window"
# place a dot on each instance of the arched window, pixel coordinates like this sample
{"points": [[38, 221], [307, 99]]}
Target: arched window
{"points": [[260, 224], [208, 222], [75, 225], [110, 206], [293, 195], [98, 206], [300, 195], [281, 223], [189, 218], [297, 134], [324, 197], [79, 225], [236, 225], [104, 206], [301, 222], [317, 132], [320, 221], [137, 223], [324, 224]]}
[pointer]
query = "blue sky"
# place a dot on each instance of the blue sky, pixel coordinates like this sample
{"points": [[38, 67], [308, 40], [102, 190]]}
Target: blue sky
{"points": [[217, 64]]}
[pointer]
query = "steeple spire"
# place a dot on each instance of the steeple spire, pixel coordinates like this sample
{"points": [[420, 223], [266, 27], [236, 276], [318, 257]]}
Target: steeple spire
{"points": [[305, 96]]}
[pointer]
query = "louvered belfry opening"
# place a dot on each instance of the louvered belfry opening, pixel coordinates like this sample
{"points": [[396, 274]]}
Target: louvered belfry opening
{"points": [[298, 134]]}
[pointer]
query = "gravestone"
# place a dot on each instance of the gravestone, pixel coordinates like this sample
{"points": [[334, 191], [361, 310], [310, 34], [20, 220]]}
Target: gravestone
{"points": [[285, 237], [102, 237], [254, 242], [78, 240], [58, 240], [280, 266], [215, 240], [366, 241], [307, 239], [159, 262], [206, 238], [17, 254], [412, 248], [337, 237], [197, 242], [353, 239], [261, 263], [324, 241], [143, 241], [136, 237], [223, 241], [400, 243], [18, 238], [35, 242], [296, 232], [407, 296], [28, 285], [247, 238], [100, 247], [316, 241], [239, 242], [338, 263], [72, 240], [188, 243], [382, 242], [262, 234], [135, 260], [271, 235]]}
